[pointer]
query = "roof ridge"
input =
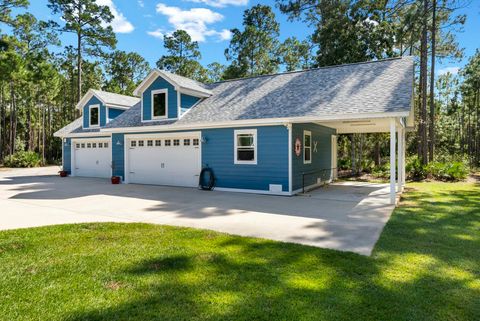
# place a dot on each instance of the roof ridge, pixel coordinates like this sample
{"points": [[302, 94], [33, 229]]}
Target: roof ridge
{"points": [[311, 69], [109, 92]]}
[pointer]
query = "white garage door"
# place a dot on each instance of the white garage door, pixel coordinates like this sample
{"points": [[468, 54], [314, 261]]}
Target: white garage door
{"points": [[164, 159], [92, 158]]}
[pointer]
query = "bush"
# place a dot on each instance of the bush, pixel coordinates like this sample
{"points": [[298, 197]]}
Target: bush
{"points": [[382, 171], [414, 169], [23, 159], [448, 171]]}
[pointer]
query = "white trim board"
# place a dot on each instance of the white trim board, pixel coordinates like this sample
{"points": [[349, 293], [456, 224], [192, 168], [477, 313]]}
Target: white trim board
{"points": [[250, 191], [254, 122]]}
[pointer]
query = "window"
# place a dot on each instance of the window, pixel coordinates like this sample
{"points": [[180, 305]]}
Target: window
{"points": [[83, 145], [186, 142], [94, 145], [133, 143], [94, 115], [100, 145], [150, 143], [140, 143], [159, 103], [195, 142], [89, 145], [105, 145], [158, 142], [77, 146], [307, 147], [245, 146], [167, 142], [176, 142]]}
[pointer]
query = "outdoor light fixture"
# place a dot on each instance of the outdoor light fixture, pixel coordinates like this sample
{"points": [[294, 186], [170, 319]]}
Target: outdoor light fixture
{"points": [[119, 143], [204, 140]]}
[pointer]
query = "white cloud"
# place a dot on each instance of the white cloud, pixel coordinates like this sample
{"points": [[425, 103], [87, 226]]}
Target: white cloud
{"points": [[195, 21], [453, 70], [141, 3], [221, 3], [159, 33], [120, 24]]}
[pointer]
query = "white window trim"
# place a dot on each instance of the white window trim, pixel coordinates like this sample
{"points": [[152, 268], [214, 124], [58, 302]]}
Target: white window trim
{"points": [[90, 125], [159, 91], [305, 133], [255, 155]]}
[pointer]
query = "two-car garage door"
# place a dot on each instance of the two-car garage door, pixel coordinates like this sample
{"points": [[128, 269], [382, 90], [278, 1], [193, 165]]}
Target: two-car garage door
{"points": [[163, 159]]}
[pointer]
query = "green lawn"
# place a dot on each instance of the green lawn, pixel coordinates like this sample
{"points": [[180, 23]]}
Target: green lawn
{"points": [[426, 266]]}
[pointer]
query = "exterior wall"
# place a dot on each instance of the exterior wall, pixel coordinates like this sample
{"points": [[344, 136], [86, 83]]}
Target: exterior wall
{"points": [[321, 157], [187, 101], [159, 83], [67, 155], [218, 152], [114, 112], [86, 114], [272, 158], [118, 155]]}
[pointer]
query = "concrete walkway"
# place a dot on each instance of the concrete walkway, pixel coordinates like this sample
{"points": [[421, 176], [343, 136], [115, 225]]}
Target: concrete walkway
{"points": [[343, 216]]}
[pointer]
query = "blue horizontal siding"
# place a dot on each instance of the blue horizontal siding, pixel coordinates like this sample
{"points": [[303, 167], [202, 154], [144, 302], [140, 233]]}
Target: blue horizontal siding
{"points": [[187, 101], [67, 155], [86, 113], [272, 158], [114, 112], [118, 155], [321, 159], [159, 83]]}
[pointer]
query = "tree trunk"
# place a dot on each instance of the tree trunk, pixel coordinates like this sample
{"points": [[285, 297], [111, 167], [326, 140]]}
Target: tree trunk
{"points": [[432, 84], [423, 81], [13, 118], [2, 121], [377, 152], [79, 66], [352, 144]]}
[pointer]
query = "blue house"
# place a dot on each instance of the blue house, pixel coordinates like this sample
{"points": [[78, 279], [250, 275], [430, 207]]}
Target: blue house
{"points": [[273, 134]]}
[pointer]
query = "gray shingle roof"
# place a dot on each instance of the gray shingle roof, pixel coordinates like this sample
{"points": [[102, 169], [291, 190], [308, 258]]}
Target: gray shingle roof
{"points": [[75, 127], [186, 82], [115, 99], [378, 87], [374, 87]]}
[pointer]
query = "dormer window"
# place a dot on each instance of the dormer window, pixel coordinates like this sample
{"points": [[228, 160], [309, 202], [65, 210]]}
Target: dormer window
{"points": [[94, 115], [159, 103]]}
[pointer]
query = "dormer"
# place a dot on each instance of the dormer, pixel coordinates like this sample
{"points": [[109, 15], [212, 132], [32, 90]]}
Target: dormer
{"points": [[167, 96], [100, 107]]}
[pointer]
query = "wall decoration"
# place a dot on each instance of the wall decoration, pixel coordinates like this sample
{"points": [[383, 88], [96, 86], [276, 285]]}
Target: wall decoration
{"points": [[298, 147], [315, 146]]}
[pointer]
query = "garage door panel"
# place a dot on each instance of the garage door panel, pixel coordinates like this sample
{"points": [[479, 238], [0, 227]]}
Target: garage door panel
{"points": [[92, 158], [175, 164]]}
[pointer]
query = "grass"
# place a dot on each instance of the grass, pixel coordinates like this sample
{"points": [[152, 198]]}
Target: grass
{"points": [[426, 266]]}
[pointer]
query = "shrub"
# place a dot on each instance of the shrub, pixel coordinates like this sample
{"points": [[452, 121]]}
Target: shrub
{"points": [[415, 170], [448, 171], [23, 159]]}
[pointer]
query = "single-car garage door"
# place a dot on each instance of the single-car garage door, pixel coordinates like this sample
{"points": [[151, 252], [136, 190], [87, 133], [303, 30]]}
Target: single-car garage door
{"points": [[92, 158], [168, 159]]}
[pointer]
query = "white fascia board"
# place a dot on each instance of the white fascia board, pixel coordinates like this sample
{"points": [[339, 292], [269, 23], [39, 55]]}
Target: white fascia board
{"points": [[255, 122], [145, 82], [99, 134], [86, 98], [117, 106], [195, 93]]}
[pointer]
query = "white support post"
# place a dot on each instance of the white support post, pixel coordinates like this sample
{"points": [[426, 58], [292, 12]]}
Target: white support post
{"points": [[392, 161], [403, 156], [400, 159]]}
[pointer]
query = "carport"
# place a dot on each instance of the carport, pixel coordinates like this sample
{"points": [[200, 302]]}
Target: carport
{"points": [[396, 126]]}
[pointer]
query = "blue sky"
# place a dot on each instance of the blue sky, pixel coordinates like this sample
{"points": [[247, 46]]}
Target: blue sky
{"points": [[141, 24]]}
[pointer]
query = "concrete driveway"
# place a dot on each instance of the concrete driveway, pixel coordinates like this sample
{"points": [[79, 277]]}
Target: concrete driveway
{"points": [[341, 216]]}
